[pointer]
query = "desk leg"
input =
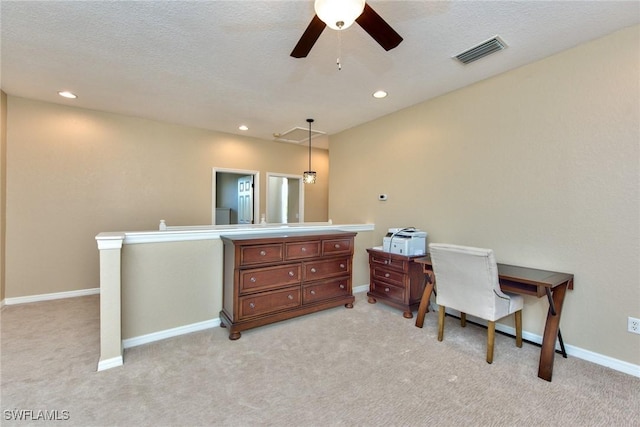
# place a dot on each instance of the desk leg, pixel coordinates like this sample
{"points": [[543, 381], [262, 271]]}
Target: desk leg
{"points": [[551, 329], [424, 302]]}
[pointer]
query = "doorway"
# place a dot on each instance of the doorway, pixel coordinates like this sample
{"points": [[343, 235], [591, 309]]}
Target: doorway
{"points": [[285, 198], [235, 197]]}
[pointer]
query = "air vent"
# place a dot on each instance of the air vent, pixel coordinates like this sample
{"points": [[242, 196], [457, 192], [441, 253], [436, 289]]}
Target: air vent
{"points": [[296, 135], [482, 50]]}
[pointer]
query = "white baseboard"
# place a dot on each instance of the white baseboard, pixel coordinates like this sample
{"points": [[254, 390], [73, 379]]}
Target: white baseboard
{"points": [[169, 333], [52, 296], [580, 353], [194, 327], [577, 352], [361, 288], [110, 363]]}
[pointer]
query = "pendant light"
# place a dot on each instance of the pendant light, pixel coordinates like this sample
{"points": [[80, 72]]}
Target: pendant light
{"points": [[309, 176]]}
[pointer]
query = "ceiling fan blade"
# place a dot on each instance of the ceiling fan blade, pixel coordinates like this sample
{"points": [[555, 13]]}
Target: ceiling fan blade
{"points": [[378, 28], [309, 37]]}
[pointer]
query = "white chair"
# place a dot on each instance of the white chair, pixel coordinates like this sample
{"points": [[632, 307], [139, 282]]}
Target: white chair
{"points": [[467, 281]]}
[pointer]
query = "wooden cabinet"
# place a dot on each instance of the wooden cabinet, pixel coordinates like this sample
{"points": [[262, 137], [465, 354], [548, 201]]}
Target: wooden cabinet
{"points": [[395, 280], [273, 277]]}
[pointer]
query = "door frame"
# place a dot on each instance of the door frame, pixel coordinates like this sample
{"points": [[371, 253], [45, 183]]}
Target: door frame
{"points": [[300, 192], [256, 190]]}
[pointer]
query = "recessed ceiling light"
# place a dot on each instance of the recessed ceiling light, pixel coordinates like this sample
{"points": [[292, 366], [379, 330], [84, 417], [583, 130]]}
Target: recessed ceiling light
{"points": [[67, 94], [243, 127], [379, 94]]}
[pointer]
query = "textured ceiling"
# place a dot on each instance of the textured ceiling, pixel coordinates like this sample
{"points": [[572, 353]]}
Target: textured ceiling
{"points": [[219, 64]]}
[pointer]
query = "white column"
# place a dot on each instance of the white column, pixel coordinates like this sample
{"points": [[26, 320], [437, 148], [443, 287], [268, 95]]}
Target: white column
{"points": [[110, 246]]}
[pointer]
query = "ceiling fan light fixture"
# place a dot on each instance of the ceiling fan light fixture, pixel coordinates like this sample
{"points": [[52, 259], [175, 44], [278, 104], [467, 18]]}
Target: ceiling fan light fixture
{"points": [[339, 14]]}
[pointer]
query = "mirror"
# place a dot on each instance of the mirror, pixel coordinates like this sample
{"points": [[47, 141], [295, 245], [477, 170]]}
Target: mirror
{"points": [[285, 198]]}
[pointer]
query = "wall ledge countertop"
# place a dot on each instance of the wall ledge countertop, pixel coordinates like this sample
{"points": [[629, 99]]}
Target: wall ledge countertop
{"points": [[115, 240]]}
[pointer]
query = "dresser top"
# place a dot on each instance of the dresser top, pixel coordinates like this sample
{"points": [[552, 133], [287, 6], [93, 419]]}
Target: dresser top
{"points": [[287, 235]]}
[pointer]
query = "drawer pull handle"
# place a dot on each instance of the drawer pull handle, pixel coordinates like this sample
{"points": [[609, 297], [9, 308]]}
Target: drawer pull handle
{"points": [[341, 286], [313, 292], [313, 270], [337, 246], [342, 266], [386, 261], [290, 296], [253, 280], [386, 274], [303, 249], [263, 253], [291, 274], [386, 289], [252, 305]]}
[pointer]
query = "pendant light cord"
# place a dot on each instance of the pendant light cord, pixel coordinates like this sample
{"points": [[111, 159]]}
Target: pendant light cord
{"points": [[310, 121]]}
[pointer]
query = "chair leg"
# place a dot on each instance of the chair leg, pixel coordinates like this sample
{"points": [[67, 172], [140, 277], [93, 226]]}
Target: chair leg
{"points": [[491, 337], [518, 315], [441, 323], [463, 319]]}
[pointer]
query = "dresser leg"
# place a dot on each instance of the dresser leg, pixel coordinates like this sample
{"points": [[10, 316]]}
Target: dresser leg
{"points": [[234, 336], [407, 315], [349, 305], [371, 300]]}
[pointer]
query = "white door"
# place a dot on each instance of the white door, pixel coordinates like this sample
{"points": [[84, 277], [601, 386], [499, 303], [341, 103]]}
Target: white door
{"points": [[245, 200]]}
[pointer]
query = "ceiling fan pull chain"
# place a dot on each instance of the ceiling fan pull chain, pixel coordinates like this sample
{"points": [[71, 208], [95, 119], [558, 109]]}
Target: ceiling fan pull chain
{"points": [[339, 51]]}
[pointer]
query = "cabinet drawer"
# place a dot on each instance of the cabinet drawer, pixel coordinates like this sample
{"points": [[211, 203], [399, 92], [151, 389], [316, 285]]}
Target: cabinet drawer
{"points": [[258, 279], [395, 264], [260, 254], [387, 290], [337, 246], [268, 302], [326, 290], [300, 250], [388, 275], [321, 269]]}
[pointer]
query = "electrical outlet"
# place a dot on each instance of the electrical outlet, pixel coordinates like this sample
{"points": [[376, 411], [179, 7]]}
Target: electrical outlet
{"points": [[633, 325]]}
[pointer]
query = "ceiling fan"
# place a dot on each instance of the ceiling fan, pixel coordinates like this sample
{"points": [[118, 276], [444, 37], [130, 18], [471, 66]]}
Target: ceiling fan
{"points": [[339, 15]]}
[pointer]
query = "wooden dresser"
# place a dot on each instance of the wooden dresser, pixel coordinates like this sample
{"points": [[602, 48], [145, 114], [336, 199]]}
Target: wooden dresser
{"points": [[396, 280], [277, 276]]}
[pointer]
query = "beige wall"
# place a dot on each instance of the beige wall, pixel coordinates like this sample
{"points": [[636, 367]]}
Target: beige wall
{"points": [[73, 173], [168, 285], [3, 187], [540, 163]]}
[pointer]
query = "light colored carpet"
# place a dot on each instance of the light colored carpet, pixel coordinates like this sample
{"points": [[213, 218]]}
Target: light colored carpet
{"points": [[367, 366]]}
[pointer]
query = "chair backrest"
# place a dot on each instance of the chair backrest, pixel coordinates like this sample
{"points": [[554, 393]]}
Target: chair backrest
{"points": [[467, 280]]}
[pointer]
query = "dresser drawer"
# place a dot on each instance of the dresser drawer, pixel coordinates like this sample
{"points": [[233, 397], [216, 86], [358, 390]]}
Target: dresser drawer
{"points": [[326, 290], [260, 254], [391, 276], [258, 279], [381, 260], [337, 246], [268, 302], [388, 291], [321, 269], [299, 250]]}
